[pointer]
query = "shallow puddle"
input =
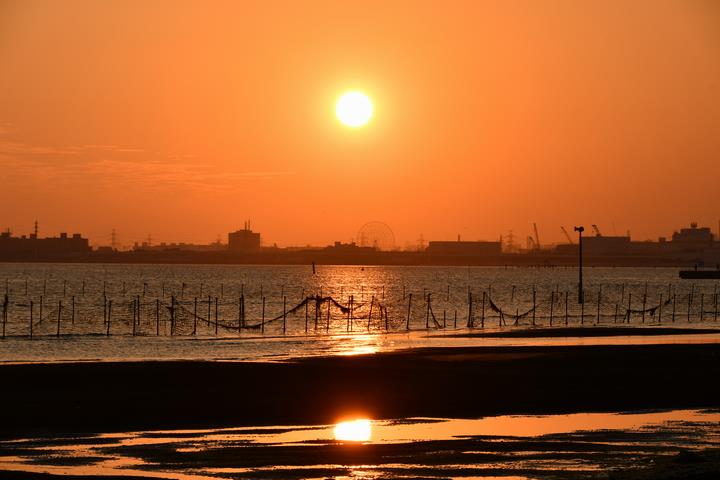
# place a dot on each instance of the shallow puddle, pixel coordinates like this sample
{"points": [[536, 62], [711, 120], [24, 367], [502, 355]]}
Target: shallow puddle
{"points": [[519, 447]]}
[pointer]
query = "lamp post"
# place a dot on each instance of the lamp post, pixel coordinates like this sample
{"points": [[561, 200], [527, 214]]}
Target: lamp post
{"points": [[581, 295]]}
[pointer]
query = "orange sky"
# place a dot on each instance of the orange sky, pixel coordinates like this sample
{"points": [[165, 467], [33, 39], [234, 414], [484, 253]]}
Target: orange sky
{"points": [[182, 119]]}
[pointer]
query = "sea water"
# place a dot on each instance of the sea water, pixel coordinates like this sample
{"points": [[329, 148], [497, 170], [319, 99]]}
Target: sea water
{"points": [[94, 312]]}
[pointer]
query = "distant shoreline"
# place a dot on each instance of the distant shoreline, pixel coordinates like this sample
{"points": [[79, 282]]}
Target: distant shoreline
{"points": [[321, 257]]}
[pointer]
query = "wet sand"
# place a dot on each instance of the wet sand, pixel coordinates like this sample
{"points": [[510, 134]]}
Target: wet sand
{"points": [[443, 382], [676, 444]]}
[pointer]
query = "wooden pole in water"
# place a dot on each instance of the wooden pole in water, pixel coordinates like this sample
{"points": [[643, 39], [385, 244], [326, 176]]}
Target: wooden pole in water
{"points": [[673, 310], [284, 314], [209, 310], [5, 315], [139, 309], [692, 291], [327, 325], [534, 305], [317, 314], [31, 319], [597, 322], [347, 321], [242, 298], [407, 322], [455, 320], [482, 312], [689, 307], [306, 316], [262, 323], [216, 315], [629, 304], [660, 309], [427, 311], [644, 305], [109, 315], [73, 309], [582, 312], [194, 332], [616, 312], [372, 302], [134, 303], [470, 320], [157, 316], [444, 317], [387, 326], [552, 306], [352, 311], [566, 307], [702, 306], [172, 315]]}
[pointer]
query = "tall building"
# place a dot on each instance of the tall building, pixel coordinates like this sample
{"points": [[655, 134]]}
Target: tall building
{"points": [[244, 241]]}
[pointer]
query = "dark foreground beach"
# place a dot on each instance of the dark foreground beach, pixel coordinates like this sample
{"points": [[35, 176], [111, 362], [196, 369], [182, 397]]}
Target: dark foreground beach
{"points": [[53, 405], [457, 382]]}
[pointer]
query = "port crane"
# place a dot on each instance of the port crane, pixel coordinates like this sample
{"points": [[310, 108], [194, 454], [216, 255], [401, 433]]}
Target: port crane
{"points": [[537, 237], [567, 235], [596, 230]]}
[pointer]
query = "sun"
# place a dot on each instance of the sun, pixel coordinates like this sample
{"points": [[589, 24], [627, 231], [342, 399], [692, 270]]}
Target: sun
{"points": [[354, 109], [359, 430]]}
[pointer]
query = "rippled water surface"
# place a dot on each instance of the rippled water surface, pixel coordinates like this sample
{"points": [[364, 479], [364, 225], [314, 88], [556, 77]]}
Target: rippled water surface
{"points": [[115, 312]]}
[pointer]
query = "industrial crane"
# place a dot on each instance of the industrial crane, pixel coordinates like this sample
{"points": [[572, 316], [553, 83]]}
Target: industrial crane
{"points": [[537, 237], [567, 235], [531, 243], [597, 230]]}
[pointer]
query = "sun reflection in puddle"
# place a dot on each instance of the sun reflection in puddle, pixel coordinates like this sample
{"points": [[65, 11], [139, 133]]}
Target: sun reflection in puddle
{"points": [[468, 445], [359, 430]]}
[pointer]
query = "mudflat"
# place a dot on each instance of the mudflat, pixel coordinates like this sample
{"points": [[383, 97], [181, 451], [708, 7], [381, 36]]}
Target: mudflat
{"points": [[437, 382]]}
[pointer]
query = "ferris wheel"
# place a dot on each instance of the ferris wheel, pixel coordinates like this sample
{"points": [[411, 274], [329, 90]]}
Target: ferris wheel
{"points": [[377, 235]]}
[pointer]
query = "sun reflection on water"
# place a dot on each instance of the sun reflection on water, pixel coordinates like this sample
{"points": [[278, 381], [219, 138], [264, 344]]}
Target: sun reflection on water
{"points": [[359, 430]]}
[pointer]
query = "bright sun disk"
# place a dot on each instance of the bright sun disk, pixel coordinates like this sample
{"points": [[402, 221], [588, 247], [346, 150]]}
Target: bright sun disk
{"points": [[354, 109], [358, 430]]}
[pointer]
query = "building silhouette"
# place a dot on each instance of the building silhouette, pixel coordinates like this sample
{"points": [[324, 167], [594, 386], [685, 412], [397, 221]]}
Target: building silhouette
{"points": [[244, 241]]}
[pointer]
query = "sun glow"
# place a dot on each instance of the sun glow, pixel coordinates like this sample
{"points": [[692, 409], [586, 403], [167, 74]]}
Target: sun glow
{"points": [[359, 430], [354, 109]]}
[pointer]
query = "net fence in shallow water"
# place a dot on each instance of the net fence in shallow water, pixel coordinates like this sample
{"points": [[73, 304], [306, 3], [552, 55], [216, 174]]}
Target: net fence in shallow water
{"points": [[141, 309]]}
